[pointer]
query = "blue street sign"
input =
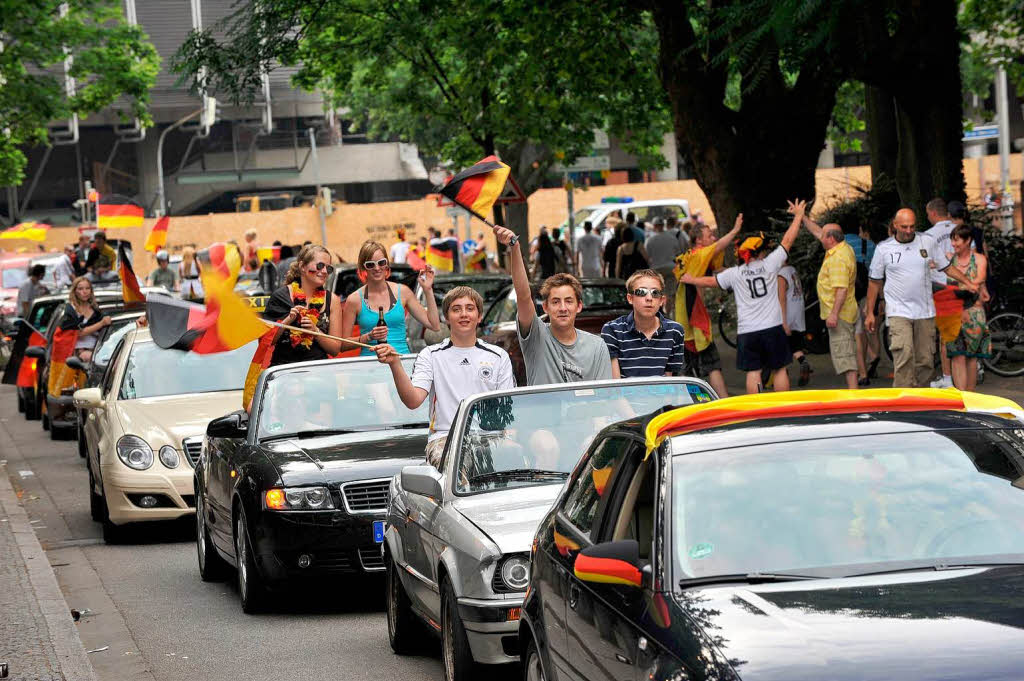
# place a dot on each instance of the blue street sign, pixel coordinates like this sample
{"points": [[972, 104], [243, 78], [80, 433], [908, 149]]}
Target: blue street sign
{"points": [[981, 132]]}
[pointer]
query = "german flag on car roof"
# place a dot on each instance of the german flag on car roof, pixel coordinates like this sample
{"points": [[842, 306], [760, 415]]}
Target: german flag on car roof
{"points": [[118, 212], [477, 188]]}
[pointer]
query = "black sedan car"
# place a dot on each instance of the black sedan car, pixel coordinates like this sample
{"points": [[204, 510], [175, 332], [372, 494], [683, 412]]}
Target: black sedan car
{"points": [[824, 537], [300, 489]]}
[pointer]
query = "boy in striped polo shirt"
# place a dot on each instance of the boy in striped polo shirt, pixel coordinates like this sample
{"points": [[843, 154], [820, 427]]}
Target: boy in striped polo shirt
{"points": [[644, 342]]}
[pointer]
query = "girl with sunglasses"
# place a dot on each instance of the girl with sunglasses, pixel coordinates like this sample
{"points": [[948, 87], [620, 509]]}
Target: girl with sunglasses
{"points": [[305, 302], [363, 307]]}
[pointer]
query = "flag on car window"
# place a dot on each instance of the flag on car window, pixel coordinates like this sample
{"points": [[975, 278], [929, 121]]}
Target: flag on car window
{"points": [[61, 348], [477, 188], [130, 290], [158, 235], [118, 212], [21, 370]]}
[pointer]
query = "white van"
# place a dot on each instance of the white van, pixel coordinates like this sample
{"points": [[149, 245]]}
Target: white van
{"points": [[645, 211]]}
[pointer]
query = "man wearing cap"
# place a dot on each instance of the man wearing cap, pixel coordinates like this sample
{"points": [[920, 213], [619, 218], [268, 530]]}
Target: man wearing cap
{"points": [[761, 341], [662, 249], [164, 275], [904, 263]]}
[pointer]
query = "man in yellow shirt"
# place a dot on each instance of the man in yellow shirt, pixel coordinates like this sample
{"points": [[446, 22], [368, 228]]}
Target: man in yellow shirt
{"points": [[836, 300]]}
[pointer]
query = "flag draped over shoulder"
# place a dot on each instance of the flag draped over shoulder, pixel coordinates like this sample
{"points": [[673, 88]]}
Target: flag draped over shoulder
{"points": [[21, 370], [948, 310], [32, 231], [477, 188], [690, 309], [477, 261], [130, 290], [415, 260], [157, 238], [278, 308], [118, 212]]}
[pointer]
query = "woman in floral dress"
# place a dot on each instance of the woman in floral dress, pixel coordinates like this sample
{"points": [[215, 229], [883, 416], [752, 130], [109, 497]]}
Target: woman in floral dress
{"points": [[973, 342]]}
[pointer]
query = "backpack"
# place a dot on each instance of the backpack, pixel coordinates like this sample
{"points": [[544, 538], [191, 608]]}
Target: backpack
{"points": [[860, 285]]}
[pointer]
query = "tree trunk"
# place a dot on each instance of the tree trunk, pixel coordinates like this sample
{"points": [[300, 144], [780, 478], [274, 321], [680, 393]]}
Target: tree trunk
{"points": [[883, 142]]}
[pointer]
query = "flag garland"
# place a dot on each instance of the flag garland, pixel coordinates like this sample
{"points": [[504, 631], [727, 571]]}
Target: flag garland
{"points": [[118, 212], [477, 188], [130, 290], [157, 238]]}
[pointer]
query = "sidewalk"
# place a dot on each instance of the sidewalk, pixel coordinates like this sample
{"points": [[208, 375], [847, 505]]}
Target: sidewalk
{"points": [[38, 638]]}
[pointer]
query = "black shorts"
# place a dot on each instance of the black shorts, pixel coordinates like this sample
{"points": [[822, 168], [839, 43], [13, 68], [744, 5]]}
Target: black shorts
{"points": [[765, 349], [797, 341], [701, 364]]}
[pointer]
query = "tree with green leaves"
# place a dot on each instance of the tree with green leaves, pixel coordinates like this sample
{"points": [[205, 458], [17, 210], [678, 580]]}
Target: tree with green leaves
{"points": [[110, 59], [527, 82]]}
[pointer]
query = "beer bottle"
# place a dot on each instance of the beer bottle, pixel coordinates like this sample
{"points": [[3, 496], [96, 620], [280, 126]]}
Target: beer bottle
{"points": [[380, 318]]}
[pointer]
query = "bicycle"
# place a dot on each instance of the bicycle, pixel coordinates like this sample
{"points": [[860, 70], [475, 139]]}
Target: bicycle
{"points": [[1007, 331]]}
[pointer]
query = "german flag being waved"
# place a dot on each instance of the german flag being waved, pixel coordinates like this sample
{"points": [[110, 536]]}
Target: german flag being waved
{"points": [[130, 290], [477, 188], [158, 235], [118, 212], [21, 370], [441, 256]]}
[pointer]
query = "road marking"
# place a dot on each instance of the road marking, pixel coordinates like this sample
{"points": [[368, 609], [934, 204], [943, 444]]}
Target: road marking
{"points": [[26, 474]]}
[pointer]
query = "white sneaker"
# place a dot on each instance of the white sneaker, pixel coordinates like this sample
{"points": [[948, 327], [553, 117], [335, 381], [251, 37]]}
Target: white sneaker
{"points": [[944, 382]]}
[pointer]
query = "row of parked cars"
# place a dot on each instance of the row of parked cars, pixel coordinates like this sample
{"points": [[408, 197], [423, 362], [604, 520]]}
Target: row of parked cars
{"points": [[623, 529]]}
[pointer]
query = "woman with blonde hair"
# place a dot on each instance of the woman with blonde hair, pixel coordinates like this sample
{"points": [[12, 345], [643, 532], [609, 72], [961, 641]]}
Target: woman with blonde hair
{"points": [[380, 297], [82, 315], [188, 274]]}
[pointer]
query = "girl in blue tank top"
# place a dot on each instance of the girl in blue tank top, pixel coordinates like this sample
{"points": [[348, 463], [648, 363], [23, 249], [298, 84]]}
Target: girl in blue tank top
{"points": [[363, 307]]}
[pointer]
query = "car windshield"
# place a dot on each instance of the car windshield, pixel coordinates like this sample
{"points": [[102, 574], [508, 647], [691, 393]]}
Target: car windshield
{"points": [[154, 372], [873, 501], [13, 277], [578, 218], [119, 327], [604, 296], [344, 396], [508, 438]]}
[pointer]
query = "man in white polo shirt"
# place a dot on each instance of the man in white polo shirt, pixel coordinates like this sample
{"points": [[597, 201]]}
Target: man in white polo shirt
{"points": [[451, 370], [904, 263]]}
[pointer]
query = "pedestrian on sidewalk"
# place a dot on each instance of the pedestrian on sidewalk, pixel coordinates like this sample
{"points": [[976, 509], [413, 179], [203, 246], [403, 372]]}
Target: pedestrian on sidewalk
{"points": [[973, 342], [942, 226], [588, 253], [662, 249], [791, 299]]}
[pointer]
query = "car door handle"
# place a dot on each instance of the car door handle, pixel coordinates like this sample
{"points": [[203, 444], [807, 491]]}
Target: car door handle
{"points": [[574, 595], [622, 658]]}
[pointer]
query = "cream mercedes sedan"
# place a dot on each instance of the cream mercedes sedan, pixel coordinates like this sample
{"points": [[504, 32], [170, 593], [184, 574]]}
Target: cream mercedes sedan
{"points": [[144, 427]]}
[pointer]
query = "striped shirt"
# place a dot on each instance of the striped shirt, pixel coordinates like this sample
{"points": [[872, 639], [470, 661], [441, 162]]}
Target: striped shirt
{"points": [[639, 356]]}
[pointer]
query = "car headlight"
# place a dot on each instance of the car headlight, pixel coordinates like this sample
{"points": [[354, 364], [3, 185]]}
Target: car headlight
{"points": [[298, 499], [169, 456], [515, 572], [134, 452]]}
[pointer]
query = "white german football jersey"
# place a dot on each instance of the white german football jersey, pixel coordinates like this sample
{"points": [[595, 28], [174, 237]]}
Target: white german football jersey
{"points": [[756, 289], [941, 232], [906, 269]]}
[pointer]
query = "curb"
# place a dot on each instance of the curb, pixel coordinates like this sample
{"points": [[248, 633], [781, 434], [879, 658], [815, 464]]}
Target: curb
{"points": [[67, 646]]}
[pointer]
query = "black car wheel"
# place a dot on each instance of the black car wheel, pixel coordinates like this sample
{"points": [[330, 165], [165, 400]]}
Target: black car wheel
{"points": [[211, 565], [31, 408], [455, 652], [45, 418], [533, 670], [250, 584], [81, 440], [21, 402], [97, 507], [59, 432], [112, 534], [402, 623]]}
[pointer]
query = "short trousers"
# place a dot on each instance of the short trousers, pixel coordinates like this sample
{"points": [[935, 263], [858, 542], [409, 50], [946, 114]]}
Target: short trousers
{"points": [[701, 364], [763, 349], [434, 450], [797, 340], [842, 345]]}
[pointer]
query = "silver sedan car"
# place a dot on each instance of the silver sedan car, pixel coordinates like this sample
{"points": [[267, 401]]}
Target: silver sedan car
{"points": [[457, 540]]}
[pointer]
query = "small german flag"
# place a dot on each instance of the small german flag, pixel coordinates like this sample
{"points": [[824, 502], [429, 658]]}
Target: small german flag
{"points": [[158, 235], [441, 256], [477, 262], [130, 290], [477, 188], [224, 323], [118, 212], [21, 370], [31, 231]]}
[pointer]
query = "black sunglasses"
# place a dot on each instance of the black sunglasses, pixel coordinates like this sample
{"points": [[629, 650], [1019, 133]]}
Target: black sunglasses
{"points": [[374, 264], [652, 292], [323, 265]]}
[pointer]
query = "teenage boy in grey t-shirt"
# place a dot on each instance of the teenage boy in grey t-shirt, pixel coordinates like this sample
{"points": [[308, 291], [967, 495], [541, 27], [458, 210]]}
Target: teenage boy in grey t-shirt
{"points": [[557, 352]]}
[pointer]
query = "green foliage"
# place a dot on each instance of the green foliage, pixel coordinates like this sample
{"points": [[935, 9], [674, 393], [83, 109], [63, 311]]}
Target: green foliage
{"points": [[111, 60], [848, 117], [993, 34], [458, 81]]}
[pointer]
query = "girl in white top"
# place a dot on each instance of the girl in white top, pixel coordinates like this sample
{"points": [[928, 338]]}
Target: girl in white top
{"points": [[188, 271]]}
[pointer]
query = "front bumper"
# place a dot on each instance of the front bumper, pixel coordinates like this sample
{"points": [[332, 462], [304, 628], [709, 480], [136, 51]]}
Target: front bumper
{"points": [[122, 487], [335, 541], [493, 636]]}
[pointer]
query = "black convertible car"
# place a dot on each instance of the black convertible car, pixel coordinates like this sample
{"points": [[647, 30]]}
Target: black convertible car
{"points": [[827, 538], [300, 489]]}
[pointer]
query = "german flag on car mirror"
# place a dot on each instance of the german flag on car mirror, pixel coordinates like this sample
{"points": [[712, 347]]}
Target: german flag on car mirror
{"points": [[606, 570], [130, 290], [477, 188], [118, 212], [21, 370]]}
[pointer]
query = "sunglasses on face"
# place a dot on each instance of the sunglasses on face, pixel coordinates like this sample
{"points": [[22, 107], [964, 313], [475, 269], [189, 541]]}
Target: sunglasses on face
{"points": [[374, 264], [324, 266], [644, 292]]}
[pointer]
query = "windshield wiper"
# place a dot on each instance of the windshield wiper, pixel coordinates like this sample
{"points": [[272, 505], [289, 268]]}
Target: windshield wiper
{"points": [[407, 426], [305, 434], [936, 567], [518, 474], [746, 578]]}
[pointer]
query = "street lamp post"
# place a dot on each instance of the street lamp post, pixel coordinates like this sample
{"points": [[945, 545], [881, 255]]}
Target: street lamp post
{"points": [[161, 197]]}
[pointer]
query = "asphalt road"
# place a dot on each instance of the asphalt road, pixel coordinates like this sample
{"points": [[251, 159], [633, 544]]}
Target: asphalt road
{"points": [[146, 602]]}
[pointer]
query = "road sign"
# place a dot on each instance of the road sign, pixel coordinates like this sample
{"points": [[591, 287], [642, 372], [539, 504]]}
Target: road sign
{"points": [[981, 133], [586, 164], [512, 193]]}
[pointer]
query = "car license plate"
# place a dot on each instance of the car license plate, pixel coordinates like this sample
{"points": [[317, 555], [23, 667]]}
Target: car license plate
{"points": [[378, 531]]}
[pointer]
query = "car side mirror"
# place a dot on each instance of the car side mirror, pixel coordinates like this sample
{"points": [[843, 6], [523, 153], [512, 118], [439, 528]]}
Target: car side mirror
{"points": [[76, 364], [422, 480], [613, 562], [37, 351], [88, 398], [233, 426]]}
